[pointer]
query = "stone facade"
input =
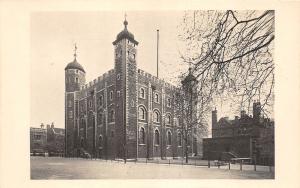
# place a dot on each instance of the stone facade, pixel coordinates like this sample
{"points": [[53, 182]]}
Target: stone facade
{"points": [[244, 136], [55, 140], [125, 113], [49, 140], [38, 140]]}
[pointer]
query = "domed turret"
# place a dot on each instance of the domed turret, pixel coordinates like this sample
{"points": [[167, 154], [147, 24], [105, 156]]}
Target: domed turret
{"points": [[74, 75], [74, 65], [125, 34]]}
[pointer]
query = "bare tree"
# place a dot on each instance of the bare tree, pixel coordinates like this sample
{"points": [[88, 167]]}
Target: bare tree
{"points": [[191, 112], [231, 53]]}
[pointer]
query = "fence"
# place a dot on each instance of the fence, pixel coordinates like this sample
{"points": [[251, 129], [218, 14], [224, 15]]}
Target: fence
{"points": [[226, 165]]}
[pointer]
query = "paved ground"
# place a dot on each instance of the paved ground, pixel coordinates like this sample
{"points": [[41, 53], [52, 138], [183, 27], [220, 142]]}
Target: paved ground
{"points": [[63, 168]]}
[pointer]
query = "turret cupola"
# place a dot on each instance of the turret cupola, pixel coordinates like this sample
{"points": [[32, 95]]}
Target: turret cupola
{"points": [[74, 75], [125, 34]]}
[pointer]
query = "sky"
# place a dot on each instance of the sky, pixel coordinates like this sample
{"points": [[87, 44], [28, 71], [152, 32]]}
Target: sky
{"points": [[53, 35]]}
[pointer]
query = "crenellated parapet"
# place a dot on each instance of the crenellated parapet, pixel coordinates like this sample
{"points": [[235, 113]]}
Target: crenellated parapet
{"points": [[155, 80]]}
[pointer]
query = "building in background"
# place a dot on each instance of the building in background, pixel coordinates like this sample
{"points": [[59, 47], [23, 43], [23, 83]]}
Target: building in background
{"points": [[47, 141], [55, 140], [244, 136], [125, 113], [38, 140]]}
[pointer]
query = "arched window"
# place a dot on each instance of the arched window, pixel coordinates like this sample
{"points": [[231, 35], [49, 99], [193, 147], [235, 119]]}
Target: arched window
{"points": [[112, 116], [168, 119], [100, 100], [100, 118], [142, 113], [81, 142], [169, 138], [188, 139], [179, 139], [93, 121], [82, 124], [156, 117], [142, 93], [100, 141], [156, 98], [168, 102], [142, 135], [111, 95], [156, 137]]}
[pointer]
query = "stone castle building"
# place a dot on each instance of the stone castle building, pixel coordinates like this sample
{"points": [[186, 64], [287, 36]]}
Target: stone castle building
{"points": [[125, 113], [246, 136]]}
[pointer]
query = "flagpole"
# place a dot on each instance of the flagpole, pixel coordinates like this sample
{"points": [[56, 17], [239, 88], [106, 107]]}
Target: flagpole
{"points": [[157, 52]]}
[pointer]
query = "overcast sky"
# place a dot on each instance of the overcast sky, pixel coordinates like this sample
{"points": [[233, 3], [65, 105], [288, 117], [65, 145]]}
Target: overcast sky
{"points": [[53, 35]]}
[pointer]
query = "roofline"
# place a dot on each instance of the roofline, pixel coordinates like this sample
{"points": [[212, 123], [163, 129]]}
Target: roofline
{"points": [[131, 40]]}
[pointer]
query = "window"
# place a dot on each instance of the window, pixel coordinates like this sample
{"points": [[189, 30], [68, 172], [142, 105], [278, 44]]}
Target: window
{"points": [[112, 116], [118, 93], [93, 121], [156, 98], [156, 137], [82, 142], [133, 56], [100, 141], [90, 104], [188, 140], [100, 100], [169, 138], [76, 80], [142, 113], [179, 139], [118, 76], [100, 118], [76, 71], [111, 95], [70, 114], [82, 124], [112, 133], [156, 117], [69, 103], [176, 122], [142, 93], [142, 135], [168, 119], [37, 137], [169, 102]]}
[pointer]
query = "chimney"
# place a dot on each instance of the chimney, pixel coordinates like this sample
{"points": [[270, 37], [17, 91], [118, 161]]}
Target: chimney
{"points": [[52, 125], [214, 117], [243, 113], [256, 110], [42, 125]]}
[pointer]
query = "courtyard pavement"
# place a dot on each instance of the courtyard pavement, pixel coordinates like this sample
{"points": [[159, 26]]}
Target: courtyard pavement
{"points": [[68, 168]]}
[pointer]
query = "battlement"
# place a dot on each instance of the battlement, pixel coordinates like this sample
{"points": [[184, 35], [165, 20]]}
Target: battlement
{"points": [[156, 80], [99, 79]]}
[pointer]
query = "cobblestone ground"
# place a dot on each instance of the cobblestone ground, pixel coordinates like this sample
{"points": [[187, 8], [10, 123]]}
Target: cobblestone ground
{"points": [[66, 168]]}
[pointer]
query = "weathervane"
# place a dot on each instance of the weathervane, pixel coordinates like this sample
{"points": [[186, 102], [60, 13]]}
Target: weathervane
{"points": [[75, 50]]}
